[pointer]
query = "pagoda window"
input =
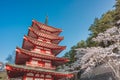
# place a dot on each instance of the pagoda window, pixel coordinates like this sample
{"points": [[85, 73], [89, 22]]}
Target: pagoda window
{"points": [[36, 75], [38, 79], [30, 74], [47, 64], [48, 76], [33, 62], [41, 75], [29, 78]]}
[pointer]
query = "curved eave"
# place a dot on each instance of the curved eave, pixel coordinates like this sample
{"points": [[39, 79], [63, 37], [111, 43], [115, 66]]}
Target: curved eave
{"points": [[24, 69], [43, 56], [54, 38], [56, 52], [43, 44], [46, 27]]}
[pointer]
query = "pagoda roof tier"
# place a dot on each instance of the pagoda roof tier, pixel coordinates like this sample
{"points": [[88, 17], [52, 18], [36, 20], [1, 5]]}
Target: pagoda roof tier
{"points": [[25, 54], [28, 45], [16, 69], [46, 27], [36, 42], [54, 38]]}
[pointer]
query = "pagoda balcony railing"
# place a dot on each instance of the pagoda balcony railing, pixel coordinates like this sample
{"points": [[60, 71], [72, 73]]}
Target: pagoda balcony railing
{"points": [[39, 66]]}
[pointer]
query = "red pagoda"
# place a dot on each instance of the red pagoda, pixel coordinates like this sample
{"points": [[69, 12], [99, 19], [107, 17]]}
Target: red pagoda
{"points": [[37, 60]]}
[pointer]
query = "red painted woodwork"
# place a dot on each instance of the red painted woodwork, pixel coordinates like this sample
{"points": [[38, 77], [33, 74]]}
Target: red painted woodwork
{"points": [[37, 60]]}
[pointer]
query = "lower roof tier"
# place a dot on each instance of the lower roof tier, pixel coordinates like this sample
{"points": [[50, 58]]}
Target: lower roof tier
{"points": [[19, 70], [23, 55]]}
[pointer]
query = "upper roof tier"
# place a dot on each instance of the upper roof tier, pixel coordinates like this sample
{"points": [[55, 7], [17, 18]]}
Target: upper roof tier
{"points": [[46, 27], [36, 42], [33, 32]]}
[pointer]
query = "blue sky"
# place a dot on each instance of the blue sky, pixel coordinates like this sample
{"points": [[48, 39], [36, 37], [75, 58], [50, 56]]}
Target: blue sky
{"points": [[73, 16]]}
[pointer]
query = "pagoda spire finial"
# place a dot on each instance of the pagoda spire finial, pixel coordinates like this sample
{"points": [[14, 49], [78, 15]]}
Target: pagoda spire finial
{"points": [[46, 20]]}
